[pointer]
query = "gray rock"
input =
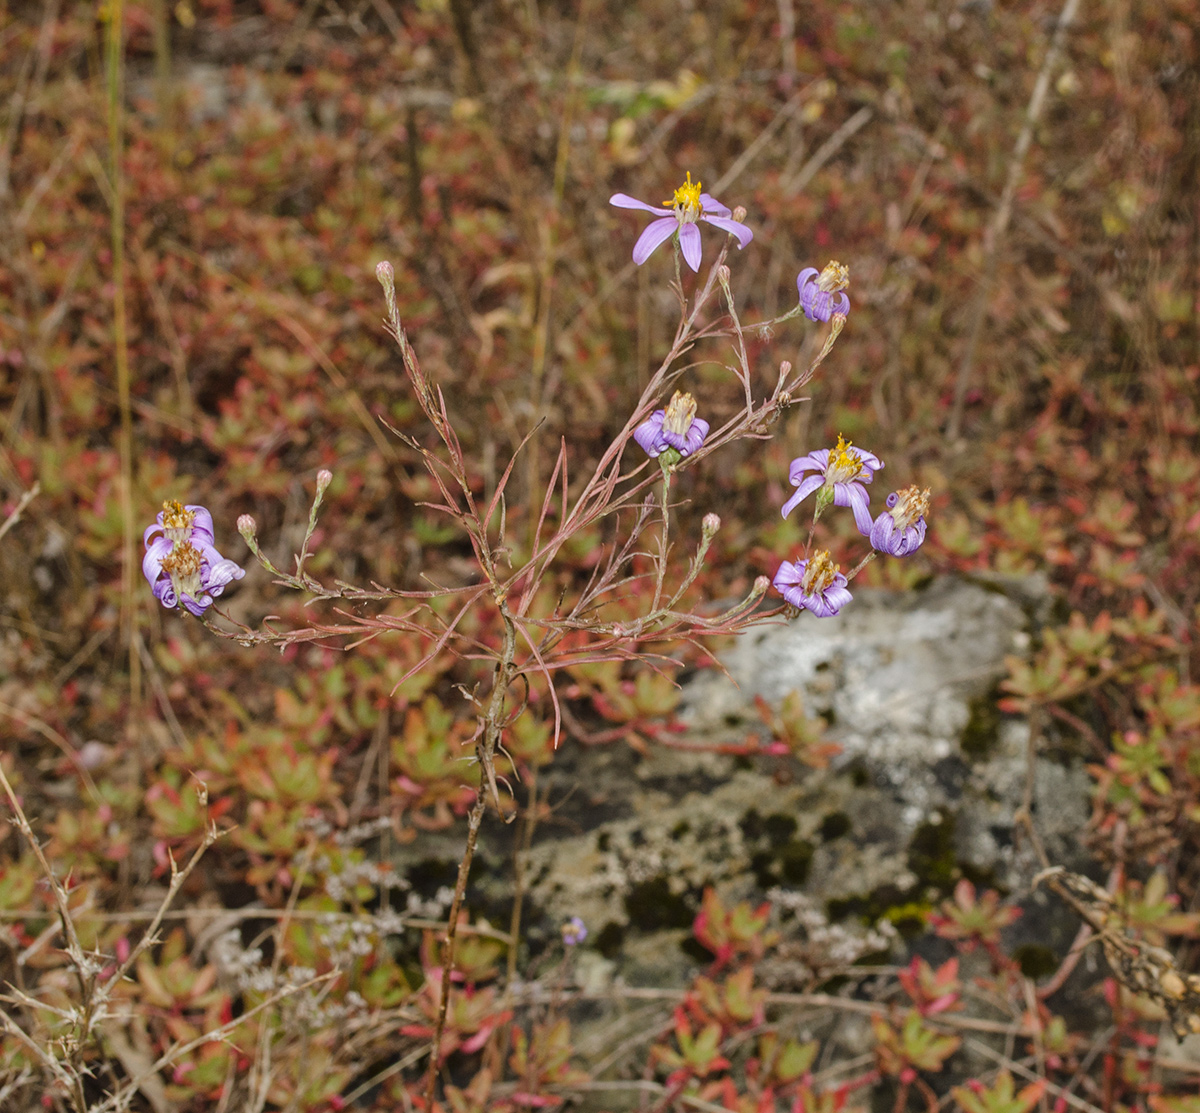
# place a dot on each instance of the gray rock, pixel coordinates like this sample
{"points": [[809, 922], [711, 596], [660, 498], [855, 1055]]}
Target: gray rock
{"points": [[905, 680]]}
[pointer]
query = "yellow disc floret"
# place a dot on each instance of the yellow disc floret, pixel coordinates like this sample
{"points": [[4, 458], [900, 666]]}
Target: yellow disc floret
{"points": [[911, 504], [835, 277], [177, 520], [844, 462], [819, 574], [183, 565], [680, 413], [686, 201]]}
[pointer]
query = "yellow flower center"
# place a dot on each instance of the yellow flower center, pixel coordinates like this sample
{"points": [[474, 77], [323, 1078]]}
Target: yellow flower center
{"points": [[911, 503], [177, 522], [182, 564], [835, 277], [680, 413], [686, 201], [819, 574], [844, 462]]}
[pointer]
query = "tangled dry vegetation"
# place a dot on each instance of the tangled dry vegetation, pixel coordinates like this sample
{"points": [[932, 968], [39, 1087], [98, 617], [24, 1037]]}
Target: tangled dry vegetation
{"points": [[197, 906]]}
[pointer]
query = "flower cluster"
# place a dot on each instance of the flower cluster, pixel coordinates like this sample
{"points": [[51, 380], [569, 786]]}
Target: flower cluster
{"points": [[840, 476], [182, 564]]}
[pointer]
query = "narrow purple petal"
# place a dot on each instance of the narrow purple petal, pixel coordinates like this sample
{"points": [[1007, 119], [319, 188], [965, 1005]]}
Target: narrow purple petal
{"points": [[150, 531], [855, 496], [812, 483], [649, 433], [624, 201], [887, 538], [695, 435], [202, 524], [817, 304], [221, 573], [196, 606], [654, 234], [164, 592], [883, 532], [827, 603], [872, 464], [690, 245], [814, 461], [152, 561], [744, 234], [806, 488], [842, 305], [787, 581], [803, 277], [709, 204], [794, 595]]}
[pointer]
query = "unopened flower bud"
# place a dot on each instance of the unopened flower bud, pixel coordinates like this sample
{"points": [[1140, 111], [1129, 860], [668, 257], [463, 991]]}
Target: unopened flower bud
{"points": [[710, 525], [739, 214], [785, 368], [761, 583], [247, 526], [385, 273], [723, 275], [324, 478]]}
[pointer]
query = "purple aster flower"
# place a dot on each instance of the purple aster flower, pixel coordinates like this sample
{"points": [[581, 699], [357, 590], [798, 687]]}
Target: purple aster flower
{"points": [[680, 214], [676, 427], [844, 470], [574, 932], [182, 565], [817, 295], [900, 529], [813, 585]]}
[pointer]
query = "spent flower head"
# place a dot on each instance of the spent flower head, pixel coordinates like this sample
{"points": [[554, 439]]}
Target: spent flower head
{"points": [[574, 932], [676, 427], [815, 585], [841, 471], [900, 529], [817, 291], [680, 214], [182, 564]]}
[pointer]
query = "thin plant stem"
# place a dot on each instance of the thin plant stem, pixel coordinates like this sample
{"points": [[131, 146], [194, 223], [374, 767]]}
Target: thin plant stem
{"points": [[116, 141], [448, 940], [514, 927]]}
